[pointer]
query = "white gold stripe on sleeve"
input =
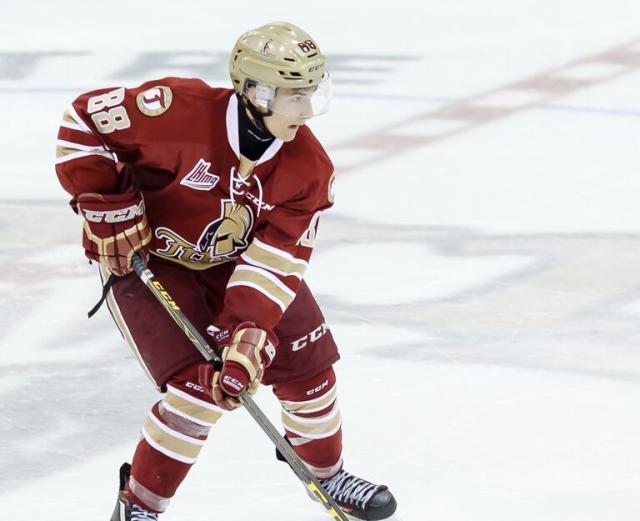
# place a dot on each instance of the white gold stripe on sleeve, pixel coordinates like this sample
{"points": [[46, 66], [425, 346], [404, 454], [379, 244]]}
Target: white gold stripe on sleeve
{"points": [[73, 126], [274, 259], [260, 289], [250, 258], [263, 281], [78, 120], [282, 253], [79, 146], [63, 155]]}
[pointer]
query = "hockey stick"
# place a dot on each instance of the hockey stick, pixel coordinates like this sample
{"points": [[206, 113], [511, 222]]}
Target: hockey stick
{"points": [[209, 354]]}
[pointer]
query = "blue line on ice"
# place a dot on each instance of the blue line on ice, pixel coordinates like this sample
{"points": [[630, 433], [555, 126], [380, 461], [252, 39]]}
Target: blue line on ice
{"points": [[387, 97]]}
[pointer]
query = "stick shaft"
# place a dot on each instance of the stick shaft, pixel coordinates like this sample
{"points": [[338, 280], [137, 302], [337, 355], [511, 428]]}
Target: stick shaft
{"points": [[209, 354], [174, 310]]}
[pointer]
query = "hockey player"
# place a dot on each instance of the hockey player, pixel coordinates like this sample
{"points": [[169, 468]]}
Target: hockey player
{"points": [[221, 191]]}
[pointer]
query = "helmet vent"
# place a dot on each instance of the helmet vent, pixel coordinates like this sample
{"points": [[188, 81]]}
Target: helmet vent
{"points": [[312, 55], [290, 75], [289, 59]]}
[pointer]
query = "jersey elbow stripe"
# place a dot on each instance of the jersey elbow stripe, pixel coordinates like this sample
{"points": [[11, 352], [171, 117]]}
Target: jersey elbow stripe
{"points": [[64, 154], [259, 289], [278, 251], [246, 256], [71, 116], [282, 253], [263, 281], [73, 126], [279, 261], [69, 122], [71, 145]]}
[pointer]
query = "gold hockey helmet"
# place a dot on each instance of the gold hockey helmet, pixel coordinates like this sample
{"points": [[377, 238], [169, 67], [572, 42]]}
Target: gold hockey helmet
{"points": [[280, 67]]}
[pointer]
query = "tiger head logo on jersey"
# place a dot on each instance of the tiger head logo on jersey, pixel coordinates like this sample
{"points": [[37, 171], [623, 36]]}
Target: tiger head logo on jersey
{"points": [[222, 240]]}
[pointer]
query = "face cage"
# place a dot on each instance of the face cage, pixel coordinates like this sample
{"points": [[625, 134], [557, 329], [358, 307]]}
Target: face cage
{"points": [[303, 102]]}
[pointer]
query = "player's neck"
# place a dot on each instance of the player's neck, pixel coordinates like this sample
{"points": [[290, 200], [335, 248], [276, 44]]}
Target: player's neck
{"points": [[254, 138]]}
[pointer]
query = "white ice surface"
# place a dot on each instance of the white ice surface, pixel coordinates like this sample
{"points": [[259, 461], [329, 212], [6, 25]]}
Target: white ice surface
{"points": [[483, 288], [378, 274]]}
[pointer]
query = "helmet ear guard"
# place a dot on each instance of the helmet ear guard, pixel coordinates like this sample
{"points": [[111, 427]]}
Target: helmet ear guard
{"points": [[259, 95], [251, 102]]}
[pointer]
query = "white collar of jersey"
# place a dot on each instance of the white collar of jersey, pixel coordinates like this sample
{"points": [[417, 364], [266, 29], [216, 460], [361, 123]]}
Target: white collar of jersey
{"points": [[234, 138]]}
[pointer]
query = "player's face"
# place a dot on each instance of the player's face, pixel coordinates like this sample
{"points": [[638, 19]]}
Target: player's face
{"points": [[290, 109], [283, 127]]}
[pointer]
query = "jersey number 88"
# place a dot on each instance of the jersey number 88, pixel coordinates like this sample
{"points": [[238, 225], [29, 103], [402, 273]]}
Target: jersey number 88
{"points": [[107, 112]]}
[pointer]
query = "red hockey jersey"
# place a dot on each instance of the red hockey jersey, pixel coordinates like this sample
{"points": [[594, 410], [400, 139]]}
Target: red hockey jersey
{"points": [[176, 140]]}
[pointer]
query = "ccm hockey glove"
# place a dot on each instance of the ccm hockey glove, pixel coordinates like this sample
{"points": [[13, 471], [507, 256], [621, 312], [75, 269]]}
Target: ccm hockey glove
{"points": [[244, 362], [115, 227]]}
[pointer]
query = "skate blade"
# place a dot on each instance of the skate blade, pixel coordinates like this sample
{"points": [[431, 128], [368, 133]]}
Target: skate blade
{"points": [[394, 517]]}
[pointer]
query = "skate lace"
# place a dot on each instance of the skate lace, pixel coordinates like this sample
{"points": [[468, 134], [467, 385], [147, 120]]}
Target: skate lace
{"points": [[140, 514], [350, 489]]}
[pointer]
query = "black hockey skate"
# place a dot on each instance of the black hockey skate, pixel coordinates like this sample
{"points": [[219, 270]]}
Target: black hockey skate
{"points": [[126, 510], [358, 498]]}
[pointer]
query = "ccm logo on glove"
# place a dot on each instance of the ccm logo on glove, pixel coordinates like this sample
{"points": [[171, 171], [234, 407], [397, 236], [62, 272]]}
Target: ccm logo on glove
{"points": [[115, 228], [114, 216], [231, 382]]}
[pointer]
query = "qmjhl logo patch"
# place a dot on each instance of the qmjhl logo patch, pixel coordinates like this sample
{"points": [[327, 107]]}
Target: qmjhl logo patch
{"points": [[199, 178]]}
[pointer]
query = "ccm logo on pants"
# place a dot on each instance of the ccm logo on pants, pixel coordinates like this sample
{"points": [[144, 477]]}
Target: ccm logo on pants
{"points": [[309, 338]]}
